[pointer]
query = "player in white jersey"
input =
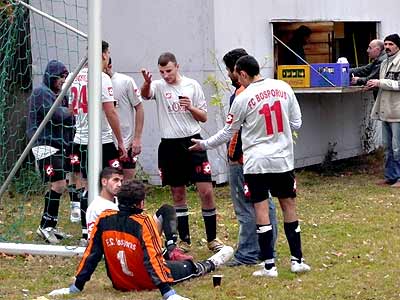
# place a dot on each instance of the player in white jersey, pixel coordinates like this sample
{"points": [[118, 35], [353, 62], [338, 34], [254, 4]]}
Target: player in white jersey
{"points": [[165, 217], [109, 125], [110, 182], [131, 115], [267, 110], [181, 105]]}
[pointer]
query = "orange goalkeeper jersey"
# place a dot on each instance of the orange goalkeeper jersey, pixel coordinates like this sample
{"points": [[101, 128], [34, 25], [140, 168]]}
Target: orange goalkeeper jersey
{"points": [[132, 250]]}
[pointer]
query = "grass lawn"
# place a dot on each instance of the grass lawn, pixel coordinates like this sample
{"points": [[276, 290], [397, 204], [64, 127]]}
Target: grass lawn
{"points": [[349, 232]]}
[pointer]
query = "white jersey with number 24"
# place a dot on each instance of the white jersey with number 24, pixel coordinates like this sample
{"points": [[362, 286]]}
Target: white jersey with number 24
{"points": [[79, 102]]}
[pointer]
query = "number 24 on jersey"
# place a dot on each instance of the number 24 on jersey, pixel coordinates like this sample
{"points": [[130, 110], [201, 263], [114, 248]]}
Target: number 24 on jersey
{"points": [[79, 99]]}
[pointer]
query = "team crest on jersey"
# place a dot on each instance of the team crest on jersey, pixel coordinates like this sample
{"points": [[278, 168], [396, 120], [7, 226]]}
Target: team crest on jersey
{"points": [[74, 159], [246, 191], [114, 163], [110, 91], [160, 173], [229, 119], [206, 168], [49, 170], [168, 95]]}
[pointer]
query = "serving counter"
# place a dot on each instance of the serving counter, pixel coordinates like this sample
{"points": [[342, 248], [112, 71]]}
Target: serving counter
{"points": [[336, 124]]}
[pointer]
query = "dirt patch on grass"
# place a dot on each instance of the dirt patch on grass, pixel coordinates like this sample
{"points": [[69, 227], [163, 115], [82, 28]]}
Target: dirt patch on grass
{"points": [[371, 164]]}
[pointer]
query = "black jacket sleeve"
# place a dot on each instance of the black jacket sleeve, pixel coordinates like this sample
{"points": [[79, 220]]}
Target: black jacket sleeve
{"points": [[91, 258], [370, 71]]}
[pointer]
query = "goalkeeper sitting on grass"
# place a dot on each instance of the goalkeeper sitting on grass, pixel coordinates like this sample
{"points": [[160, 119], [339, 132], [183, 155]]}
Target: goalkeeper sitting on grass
{"points": [[132, 250]]}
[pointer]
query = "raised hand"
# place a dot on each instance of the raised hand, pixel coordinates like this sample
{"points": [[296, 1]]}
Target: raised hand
{"points": [[147, 76]]}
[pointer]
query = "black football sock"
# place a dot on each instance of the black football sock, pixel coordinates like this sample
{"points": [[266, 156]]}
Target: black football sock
{"points": [[182, 214], [210, 222], [203, 267], [167, 216], [73, 193], [265, 234], [50, 211], [292, 231]]}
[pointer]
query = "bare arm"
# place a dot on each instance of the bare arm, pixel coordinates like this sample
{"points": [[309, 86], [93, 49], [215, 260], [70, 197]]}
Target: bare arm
{"points": [[113, 120], [197, 113], [137, 138]]}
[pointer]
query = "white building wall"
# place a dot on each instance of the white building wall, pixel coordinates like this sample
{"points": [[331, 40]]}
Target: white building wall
{"points": [[200, 31], [248, 25], [139, 31], [337, 119]]}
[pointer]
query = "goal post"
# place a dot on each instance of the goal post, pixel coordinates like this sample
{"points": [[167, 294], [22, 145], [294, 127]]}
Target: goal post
{"points": [[31, 35], [47, 118]]}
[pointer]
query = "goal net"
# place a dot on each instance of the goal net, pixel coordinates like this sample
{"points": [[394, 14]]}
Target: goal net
{"points": [[28, 41]]}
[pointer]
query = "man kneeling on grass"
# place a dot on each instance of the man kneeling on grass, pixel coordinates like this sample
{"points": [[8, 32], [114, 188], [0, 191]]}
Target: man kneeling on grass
{"points": [[132, 250]]}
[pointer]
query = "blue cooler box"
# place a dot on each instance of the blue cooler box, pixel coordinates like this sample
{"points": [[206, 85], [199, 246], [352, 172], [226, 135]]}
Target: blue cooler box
{"points": [[338, 74]]}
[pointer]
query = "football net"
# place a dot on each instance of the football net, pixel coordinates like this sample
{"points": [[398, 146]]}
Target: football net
{"points": [[28, 41]]}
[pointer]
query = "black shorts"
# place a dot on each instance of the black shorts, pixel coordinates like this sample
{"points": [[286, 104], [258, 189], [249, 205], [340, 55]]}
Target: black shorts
{"points": [[67, 155], [178, 166], [54, 167], [281, 185], [79, 158], [130, 162], [111, 156]]}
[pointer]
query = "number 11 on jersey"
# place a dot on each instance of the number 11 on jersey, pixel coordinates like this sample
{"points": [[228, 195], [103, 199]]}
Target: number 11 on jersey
{"points": [[267, 110]]}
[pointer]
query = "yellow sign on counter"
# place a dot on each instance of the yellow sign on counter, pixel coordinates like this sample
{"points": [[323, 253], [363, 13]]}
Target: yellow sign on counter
{"points": [[295, 75]]}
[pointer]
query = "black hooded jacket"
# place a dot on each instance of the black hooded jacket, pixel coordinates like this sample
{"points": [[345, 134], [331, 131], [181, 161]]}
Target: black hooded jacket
{"points": [[58, 132]]}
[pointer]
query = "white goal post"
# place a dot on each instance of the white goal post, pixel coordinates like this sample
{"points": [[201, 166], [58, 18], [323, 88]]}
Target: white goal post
{"points": [[94, 93]]}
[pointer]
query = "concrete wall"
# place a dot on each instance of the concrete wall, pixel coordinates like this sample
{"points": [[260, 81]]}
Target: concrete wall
{"points": [[332, 122], [327, 118], [249, 25], [139, 33], [200, 32]]}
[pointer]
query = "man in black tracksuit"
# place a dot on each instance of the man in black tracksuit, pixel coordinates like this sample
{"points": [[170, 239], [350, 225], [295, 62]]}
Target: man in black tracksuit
{"points": [[50, 150]]}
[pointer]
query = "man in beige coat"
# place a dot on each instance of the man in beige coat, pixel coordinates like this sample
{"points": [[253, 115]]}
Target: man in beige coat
{"points": [[387, 109]]}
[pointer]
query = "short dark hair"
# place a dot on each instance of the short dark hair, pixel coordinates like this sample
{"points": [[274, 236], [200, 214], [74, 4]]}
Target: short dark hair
{"points": [[104, 46], [232, 56], [107, 172], [300, 33], [131, 193], [248, 64], [165, 58]]}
